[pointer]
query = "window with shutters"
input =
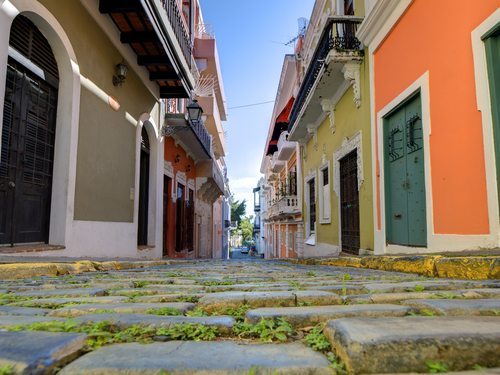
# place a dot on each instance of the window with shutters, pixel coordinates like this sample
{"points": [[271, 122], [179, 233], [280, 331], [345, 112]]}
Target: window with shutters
{"points": [[324, 194]]}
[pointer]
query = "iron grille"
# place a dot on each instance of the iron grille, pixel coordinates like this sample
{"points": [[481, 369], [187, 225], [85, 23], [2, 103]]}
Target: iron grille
{"points": [[180, 31], [6, 139], [343, 39], [312, 205], [29, 41]]}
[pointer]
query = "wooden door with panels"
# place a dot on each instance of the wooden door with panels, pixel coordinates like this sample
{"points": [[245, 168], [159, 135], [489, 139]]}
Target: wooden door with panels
{"points": [[405, 202], [28, 136]]}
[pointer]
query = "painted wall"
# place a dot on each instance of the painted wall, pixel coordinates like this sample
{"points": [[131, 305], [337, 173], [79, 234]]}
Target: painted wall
{"points": [[349, 120], [171, 151], [106, 140], [457, 163]]}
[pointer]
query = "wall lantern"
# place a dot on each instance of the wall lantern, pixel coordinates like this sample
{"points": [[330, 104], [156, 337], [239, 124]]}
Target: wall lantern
{"points": [[188, 168], [194, 111], [177, 158], [121, 73]]}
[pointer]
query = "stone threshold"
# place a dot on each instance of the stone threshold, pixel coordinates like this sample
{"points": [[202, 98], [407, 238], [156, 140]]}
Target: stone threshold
{"points": [[30, 248]]}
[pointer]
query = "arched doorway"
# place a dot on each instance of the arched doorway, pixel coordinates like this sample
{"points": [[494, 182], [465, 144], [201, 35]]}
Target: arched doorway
{"points": [[28, 136]]}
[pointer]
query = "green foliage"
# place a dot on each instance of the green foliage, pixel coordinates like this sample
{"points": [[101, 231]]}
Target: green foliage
{"points": [[140, 284], [419, 288], [254, 370], [316, 339], [269, 329], [246, 227], [295, 284], [337, 366], [478, 367], [164, 311], [98, 334], [238, 313], [239, 327], [238, 210], [347, 277], [140, 294], [217, 283], [184, 298], [6, 370], [435, 367], [190, 331], [311, 273], [197, 312], [103, 312], [306, 303]]}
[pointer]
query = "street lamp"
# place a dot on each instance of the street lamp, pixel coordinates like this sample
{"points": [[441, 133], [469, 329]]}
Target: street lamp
{"points": [[121, 73], [194, 111]]}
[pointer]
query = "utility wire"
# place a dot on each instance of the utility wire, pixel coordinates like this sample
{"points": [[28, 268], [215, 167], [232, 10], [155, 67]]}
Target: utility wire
{"points": [[251, 105]]}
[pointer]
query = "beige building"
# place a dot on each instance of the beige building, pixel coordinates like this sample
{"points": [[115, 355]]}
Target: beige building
{"points": [[84, 168]]}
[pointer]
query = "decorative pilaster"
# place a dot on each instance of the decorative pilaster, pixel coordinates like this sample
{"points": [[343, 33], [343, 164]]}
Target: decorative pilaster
{"points": [[351, 72], [311, 129], [328, 107], [302, 144]]}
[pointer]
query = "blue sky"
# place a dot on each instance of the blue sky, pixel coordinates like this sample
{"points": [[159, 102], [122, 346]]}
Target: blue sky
{"points": [[251, 63]]}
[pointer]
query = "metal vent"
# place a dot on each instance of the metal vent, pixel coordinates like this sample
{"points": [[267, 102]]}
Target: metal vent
{"points": [[29, 41], [145, 139]]}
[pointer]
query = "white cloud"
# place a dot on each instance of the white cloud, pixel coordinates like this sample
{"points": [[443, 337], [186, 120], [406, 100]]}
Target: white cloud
{"points": [[242, 188]]}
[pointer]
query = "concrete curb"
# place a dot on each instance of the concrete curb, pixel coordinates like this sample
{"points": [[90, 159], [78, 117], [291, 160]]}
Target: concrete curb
{"points": [[475, 268], [24, 270]]}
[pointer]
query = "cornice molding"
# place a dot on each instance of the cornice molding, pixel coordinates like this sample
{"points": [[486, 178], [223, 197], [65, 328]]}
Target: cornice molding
{"points": [[377, 19]]}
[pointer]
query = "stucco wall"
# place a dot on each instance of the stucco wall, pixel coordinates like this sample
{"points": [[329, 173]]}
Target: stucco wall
{"points": [[106, 139], [349, 120]]}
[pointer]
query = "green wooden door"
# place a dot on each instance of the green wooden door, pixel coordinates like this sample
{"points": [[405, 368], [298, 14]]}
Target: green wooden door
{"points": [[404, 176], [492, 44]]}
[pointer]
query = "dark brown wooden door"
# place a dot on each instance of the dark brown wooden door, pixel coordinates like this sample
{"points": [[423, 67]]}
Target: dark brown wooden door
{"points": [[166, 204], [349, 203], [142, 230], [26, 163]]}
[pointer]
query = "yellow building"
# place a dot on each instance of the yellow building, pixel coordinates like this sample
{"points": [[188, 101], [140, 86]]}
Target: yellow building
{"points": [[330, 119]]}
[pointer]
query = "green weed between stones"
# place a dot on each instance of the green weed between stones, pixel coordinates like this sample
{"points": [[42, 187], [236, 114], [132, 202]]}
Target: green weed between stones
{"points": [[189, 331], [197, 312], [337, 366], [98, 334], [295, 284], [216, 283], [164, 311], [435, 367], [140, 284], [316, 339], [269, 329], [6, 370], [182, 298]]}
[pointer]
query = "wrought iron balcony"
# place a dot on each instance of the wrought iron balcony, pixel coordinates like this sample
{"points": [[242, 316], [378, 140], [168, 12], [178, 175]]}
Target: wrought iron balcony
{"points": [[194, 134], [338, 35], [178, 25]]}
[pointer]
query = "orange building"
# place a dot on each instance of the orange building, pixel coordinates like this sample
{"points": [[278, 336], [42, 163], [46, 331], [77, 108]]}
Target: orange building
{"points": [[435, 68]]}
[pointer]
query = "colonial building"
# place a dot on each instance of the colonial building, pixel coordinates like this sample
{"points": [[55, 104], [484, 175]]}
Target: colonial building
{"points": [[435, 123], [281, 189], [91, 162], [330, 120]]}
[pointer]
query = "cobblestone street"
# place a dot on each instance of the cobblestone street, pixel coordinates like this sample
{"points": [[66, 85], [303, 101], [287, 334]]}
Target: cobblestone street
{"points": [[247, 317]]}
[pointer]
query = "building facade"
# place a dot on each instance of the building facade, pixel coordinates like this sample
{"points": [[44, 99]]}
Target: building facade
{"points": [[281, 188], [87, 166], [330, 120], [434, 126]]}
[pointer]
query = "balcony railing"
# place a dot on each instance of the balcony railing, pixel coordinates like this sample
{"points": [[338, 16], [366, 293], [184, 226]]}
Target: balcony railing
{"points": [[286, 206], [182, 35], [340, 35], [203, 135]]}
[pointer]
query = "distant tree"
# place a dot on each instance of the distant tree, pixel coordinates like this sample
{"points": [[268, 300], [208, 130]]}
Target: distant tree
{"points": [[246, 227], [238, 210]]}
